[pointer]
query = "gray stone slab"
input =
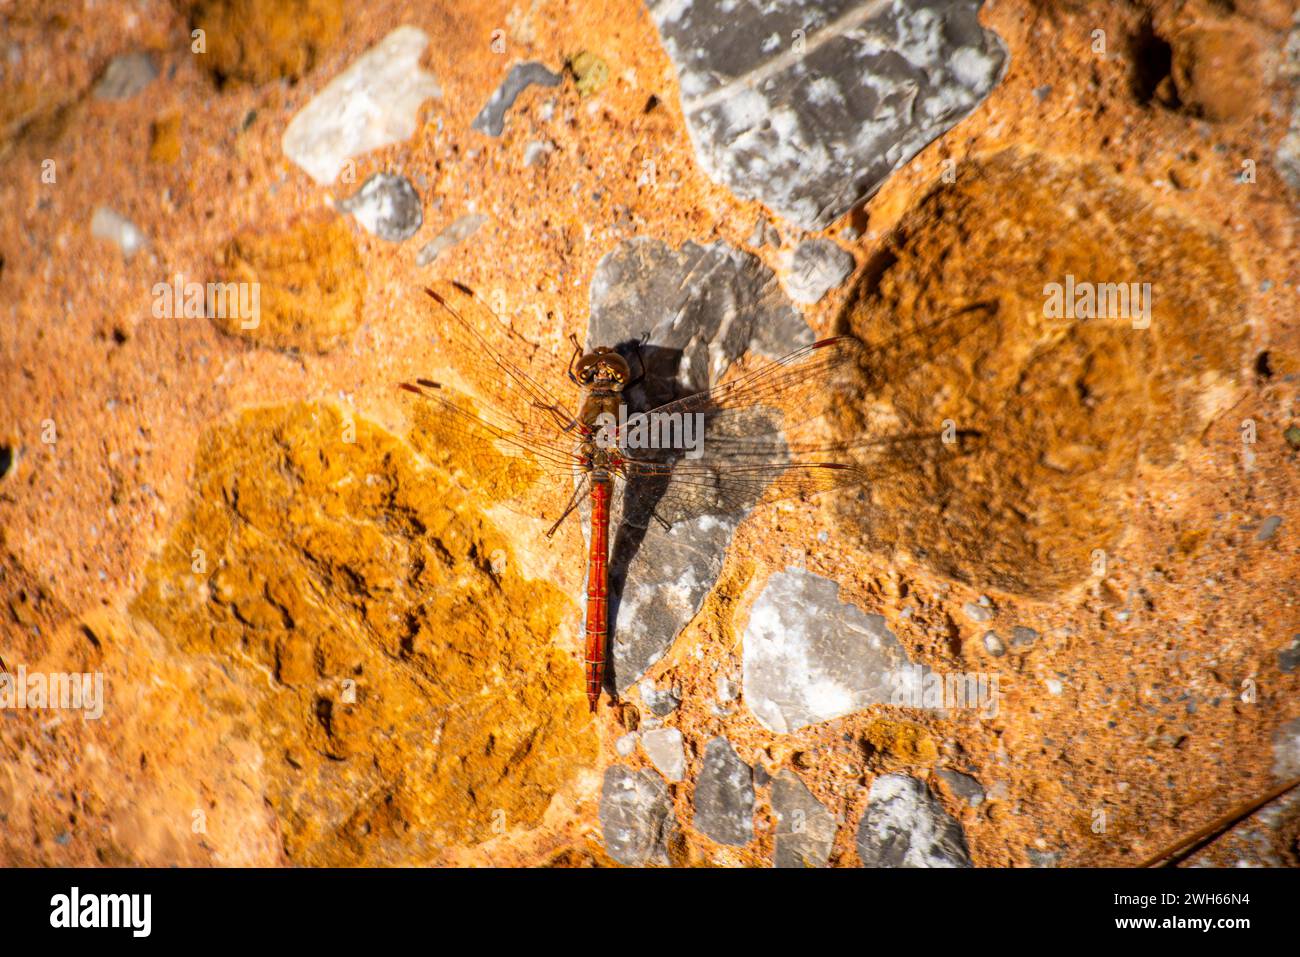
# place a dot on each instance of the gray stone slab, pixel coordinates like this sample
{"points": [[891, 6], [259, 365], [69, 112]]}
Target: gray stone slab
{"points": [[724, 795], [809, 657], [905, 825], [809, 105]]}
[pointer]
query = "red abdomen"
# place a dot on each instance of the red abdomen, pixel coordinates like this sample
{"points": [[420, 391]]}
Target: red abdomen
{"points": [[597, 590]]}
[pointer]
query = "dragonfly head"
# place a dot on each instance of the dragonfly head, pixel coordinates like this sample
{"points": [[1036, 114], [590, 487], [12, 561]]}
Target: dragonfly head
{"points": [[603, 368]]}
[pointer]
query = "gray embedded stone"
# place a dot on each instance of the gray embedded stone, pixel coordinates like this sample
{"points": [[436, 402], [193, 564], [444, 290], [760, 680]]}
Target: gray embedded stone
{"points": [[977, 613], [724, 796], [660, 703], [634, 814], [816, 267], [117, 229], [1268, 528], [491, 119], [460, 230], [373, 103], [1022, 637], [663, 746], [906, 826], [994, 644], [963, 786], [125, 76], [809, 657], [829, 97], [1286, 750], [805, 830], [1289, 657], [386, 206]]}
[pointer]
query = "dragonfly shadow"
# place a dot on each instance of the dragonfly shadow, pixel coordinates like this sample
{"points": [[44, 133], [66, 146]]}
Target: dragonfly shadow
{"points": [[659, 368]]}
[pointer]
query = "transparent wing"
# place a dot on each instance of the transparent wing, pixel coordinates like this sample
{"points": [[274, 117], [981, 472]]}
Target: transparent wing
{"points": [[770, 434]]}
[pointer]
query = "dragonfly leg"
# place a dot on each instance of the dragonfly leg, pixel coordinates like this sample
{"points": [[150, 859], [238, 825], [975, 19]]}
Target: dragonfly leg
{"points": [[568, 509], [577, 353], [566, 423], [640, 360]]}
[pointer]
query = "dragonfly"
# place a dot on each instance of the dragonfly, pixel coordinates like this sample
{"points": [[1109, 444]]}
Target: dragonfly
{"points": [[758, 436]]}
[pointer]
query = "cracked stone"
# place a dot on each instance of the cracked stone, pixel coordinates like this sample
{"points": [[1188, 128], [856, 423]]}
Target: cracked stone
{"points": [[906, 826], [373, 103], [805, 830], [492, 118], [634, 812], [812, 119], [809, 657], [724, 795]]}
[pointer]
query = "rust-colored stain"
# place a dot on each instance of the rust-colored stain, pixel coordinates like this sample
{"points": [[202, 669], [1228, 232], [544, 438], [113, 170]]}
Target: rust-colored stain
{"points": [[258, 41], [311, 286], [402, 677], [1064, 409]]}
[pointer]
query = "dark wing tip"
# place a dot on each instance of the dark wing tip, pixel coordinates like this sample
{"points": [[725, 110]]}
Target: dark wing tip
{"points": [[410, 388], [463, 288]]}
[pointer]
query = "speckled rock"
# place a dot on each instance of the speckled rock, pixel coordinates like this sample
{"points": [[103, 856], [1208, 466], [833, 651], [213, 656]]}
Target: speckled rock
{"points": [[724, 795], [830, 97], [906, 826], [634, 810], [963, 786], [805, 830], [809, 657]]}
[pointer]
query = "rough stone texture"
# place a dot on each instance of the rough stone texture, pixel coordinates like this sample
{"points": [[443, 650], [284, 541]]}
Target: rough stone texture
{"points": [[311, 286], [406, 697], [810, 657], [634, 814], [660, 702], [1143, 723], [816, 267], [663, 746], [1286, 750], [724, 795], [957, 332], [827, 98], [386, 206], [906, 826], [260, 41], [805, 830], [492, 118], [699, 309], [371, 104]]}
